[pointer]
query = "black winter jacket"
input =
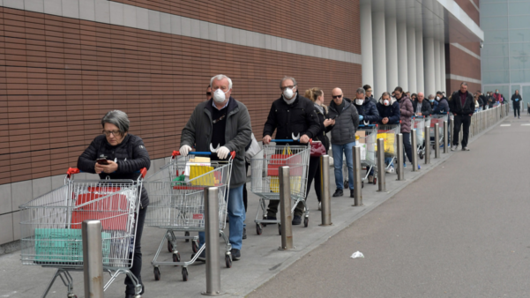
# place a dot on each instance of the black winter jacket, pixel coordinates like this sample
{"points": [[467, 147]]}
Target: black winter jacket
{"points": [[426, 109], [130, 155], [516, 103], [343, 132], [321, 136], [456, 104], [298, 118], [368, 110], [391, 111], [442, 107]]}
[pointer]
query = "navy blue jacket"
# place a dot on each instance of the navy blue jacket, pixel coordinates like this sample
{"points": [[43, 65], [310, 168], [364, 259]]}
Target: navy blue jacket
{"points": [[391, 111], [368, 110]]}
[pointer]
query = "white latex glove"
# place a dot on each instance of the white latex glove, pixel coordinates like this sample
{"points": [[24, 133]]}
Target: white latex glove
{"points": [[223, 152], [184, 150]]}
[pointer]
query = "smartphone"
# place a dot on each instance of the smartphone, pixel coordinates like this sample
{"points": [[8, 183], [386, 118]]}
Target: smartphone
{"points": [[334, 117], [102, 160]]}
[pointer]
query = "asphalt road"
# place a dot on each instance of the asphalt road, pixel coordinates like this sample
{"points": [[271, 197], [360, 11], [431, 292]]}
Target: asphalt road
{"points": [[459, 231]]}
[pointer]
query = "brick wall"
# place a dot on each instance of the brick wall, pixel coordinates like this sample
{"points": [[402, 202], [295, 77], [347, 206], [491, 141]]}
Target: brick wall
{"points": [[461, 63], [470, 9]]}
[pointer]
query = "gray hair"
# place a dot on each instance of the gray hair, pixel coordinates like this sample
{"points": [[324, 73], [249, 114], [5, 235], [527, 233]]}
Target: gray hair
{"points": [[117, 118], [220, 77], [386, 93], [361, 91], [288, 78], [431, 96]]}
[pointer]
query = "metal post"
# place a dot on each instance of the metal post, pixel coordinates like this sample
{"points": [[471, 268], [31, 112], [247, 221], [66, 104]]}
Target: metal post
{"points": [[436, 140], [427, 145], [399, 159], [92, 258], [381, 164], [446, 137], [211, 227], [325, 195], [414, 149], [285, 208], [357, 182]]}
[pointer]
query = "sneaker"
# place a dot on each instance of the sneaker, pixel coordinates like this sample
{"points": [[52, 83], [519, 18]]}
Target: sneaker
{"points": [[319, 205], [465, 149], [297, 220], [202, 256], [370, 179], [236, 254], [390, 170], [404, 164], [244, 233], [419, 168], [454, 147], [351, 193], [338, 193]]}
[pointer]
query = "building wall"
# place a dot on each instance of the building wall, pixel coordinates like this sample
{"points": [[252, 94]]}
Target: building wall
{"points": [[462, 65], [59, 75]]}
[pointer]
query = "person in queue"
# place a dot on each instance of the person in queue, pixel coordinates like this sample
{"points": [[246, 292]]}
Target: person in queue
{"points": [[291, 114], [222, 121], [443, 104], [482, 98], [316, 95], [124, 155], [433, 103], [209, 92], [366, 108], [369, 94], [388, 108], [420, 106], [343, 137], [462, 107], [406, 111]]}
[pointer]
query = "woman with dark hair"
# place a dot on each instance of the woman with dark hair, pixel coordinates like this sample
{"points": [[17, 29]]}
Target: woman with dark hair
{"points": [[406, 111], [316, 95], [125, 156]]}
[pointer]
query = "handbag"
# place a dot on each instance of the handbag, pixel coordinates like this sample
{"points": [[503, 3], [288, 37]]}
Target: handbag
{"points": [[253, 149], [317, 149]]}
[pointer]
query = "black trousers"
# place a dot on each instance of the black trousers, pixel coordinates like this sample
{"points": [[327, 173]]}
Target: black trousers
{"points": [[516, 110], [137, 258], [407, 145], [314, 173], [464, 120]]}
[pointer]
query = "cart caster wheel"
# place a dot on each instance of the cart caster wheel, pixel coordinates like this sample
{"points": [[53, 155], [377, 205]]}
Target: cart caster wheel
{"points": [[185, 274], [169, 246], [72, 296], [194, 246], [421, 155], [306, 221], [264, 224], [176, 257], [187, 234], [228, 261], [279, 229], [259, 230], [156, 271], [375, 181]]}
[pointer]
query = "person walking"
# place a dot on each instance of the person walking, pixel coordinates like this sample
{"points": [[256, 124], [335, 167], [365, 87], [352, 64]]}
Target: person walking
{"points": [[316, 95], [406, 111], [222, 121], [342, 137], [291, 114], [517, 99], [462, 107]]}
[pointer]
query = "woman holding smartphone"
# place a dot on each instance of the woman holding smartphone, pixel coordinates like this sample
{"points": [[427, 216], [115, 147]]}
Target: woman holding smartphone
{"points": [[117, 154]]}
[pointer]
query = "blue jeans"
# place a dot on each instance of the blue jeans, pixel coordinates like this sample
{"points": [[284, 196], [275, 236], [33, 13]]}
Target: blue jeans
{"points": [[236, 218], [338, 151]]}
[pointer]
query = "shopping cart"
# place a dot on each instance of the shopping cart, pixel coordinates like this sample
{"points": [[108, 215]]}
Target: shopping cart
{"points": [[418, 123], [265, 177], [388, 132], [51, 227], [440, 120], [176, 195], [367, 141]]}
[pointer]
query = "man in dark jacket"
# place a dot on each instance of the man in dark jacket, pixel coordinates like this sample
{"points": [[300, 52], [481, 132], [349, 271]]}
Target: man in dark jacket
{"points": [[462, 107], [365, 107], [443, 104], [421, 106], [291, 114], [369, 94], [517, 99], [343, 137], [482, 100], [223, 122], [388, 108]]}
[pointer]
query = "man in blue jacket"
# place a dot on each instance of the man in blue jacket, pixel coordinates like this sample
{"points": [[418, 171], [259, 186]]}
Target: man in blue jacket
{"points": [[365, 107]]}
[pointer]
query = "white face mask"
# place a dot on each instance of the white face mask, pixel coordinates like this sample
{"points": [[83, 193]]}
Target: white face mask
{"points": [[359, 101], [288, 93], [386, 102], [219, 96], [437, 97]]}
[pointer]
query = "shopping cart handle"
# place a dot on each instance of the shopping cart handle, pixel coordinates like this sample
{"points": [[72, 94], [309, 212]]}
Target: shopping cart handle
{"points": [[72, 171], [283, 140], [233, 154], [200, 153], [143, 171], [174, 154], [367, 125]]}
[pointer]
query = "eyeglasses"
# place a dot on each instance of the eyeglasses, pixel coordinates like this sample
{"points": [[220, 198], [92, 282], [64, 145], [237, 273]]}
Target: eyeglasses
{"points": [[369, 90], [336, 96], [290, 87], [113, 132], [208, 93]]}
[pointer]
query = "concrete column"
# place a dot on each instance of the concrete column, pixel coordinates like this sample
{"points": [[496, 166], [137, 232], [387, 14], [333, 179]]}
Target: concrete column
{"points": [[379, 52], [391, 53], [411, 52], [366, 44], [437, 62], [430, 79], [419, 60], [403, 64], [442, 55]]}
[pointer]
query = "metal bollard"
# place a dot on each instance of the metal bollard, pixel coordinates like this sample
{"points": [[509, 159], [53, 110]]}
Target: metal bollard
{"points": [[92, 258], [414, 145], [357, 181], [436, 140], [285, 209], [446, 137], [399, 159], [325, 195], [381, 165], [211, 227], [427, 147]]}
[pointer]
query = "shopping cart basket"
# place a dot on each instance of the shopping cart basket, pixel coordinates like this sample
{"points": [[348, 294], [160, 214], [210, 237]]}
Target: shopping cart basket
{"points": [[418, 123], [388, 132], [366, 140], [440, 120], [51, 227], [176, 195], [265, 177]]}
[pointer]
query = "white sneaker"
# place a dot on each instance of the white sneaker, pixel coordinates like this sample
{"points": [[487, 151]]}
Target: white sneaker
{"points": [[319, 205], [390, 170], [454, 147], [370, 179]]}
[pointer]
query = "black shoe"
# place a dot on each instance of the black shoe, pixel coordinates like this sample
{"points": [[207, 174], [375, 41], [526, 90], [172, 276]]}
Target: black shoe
{"points": [[131, 289], [338, 193], [269, 217], [351, 193], [465, 149], [236, 254], [202, 256], [244, 233], [297, 220]]}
